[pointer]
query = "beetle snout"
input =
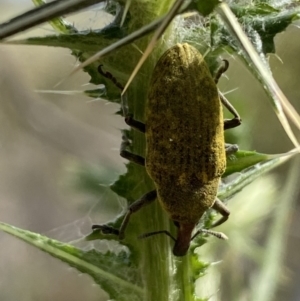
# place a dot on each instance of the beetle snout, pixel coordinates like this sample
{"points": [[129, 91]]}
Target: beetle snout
{"points": [[184, 234], [180, 249]]}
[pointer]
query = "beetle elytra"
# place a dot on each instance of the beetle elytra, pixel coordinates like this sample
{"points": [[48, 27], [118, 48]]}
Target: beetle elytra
{"points": [[185, 152]]}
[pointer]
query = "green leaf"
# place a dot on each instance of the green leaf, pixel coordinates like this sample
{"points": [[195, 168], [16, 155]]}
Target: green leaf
{"points": [[244, 159], [116, 274], [261, 23], [203, 6], [266, 21], [235, 183]]}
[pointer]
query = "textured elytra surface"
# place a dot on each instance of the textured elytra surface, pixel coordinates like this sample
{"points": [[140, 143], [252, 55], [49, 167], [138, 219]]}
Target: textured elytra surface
{"points": [[185, 153]]}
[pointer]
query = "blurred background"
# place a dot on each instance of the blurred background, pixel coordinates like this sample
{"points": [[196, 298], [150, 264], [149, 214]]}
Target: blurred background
{"points": [[49, 140]]}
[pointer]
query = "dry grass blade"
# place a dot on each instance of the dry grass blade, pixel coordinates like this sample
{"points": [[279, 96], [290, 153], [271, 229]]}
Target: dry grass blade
{"points": [[42, 14], [126, 8], [167, 20]]}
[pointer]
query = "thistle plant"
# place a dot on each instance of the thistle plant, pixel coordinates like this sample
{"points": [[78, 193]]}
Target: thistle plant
{"points": [[146, 269]]}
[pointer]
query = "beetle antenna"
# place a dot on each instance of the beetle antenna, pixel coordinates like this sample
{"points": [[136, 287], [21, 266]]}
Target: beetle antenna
{"points": [[219, 235], [157, 232]]}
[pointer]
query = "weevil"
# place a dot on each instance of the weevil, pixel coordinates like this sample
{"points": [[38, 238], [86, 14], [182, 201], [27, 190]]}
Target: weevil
{"points": [[185, 148]]}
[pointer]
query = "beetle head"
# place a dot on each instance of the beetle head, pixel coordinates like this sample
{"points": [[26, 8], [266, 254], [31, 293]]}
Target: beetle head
{"points": [[184, 236]]}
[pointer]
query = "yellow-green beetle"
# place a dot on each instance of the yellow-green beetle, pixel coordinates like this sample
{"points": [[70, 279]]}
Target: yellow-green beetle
{"points": [[185, 143]]}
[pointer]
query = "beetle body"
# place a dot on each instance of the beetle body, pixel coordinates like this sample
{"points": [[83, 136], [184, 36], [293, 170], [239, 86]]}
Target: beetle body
{"points": [[185, 153]]}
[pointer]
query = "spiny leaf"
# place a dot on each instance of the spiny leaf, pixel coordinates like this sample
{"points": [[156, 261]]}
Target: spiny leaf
{"points": [[244, 159], [116, 274], [266, 21]]}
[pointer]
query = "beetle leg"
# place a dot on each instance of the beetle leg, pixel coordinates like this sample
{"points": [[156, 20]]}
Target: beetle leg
{"points": [[234, 122], [231, 148], [146, 199], [221, 208], [110, 77], [221, 70], [137, 125], [128, 117], [128, 155]]}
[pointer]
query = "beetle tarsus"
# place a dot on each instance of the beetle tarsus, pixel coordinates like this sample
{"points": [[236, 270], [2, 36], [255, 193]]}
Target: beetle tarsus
{"points": [[105, 229]]}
